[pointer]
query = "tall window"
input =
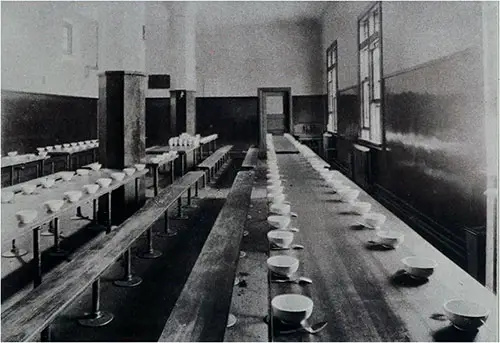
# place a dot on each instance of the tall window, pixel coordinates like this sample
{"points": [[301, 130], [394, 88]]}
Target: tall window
{"points": [[331, 70], [370, 72]]}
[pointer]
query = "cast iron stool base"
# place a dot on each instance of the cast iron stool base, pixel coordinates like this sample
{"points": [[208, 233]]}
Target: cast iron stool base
{"points": [[130, 282], [98, 319]]}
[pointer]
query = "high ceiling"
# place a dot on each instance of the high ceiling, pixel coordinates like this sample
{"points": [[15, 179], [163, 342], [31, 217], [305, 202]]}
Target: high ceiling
{"points": [[227, 13]]}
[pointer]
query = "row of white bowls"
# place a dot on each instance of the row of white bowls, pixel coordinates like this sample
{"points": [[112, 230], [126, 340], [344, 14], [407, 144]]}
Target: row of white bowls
{"points": [[165, 156], [185, 139], [463, 314], [28, 215], [288, 307]]}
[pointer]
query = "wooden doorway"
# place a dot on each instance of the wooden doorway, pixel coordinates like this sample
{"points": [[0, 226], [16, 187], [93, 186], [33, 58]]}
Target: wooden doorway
{"points": [[275, 112]]}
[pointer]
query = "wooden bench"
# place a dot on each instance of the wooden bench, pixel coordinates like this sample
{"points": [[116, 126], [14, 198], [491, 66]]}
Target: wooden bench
{"points": [[212, 163], [251, 158], [29, 316], [201, 311]]}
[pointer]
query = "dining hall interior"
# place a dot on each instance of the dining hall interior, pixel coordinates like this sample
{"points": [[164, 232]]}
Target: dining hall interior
{"points": [[249, 171]]}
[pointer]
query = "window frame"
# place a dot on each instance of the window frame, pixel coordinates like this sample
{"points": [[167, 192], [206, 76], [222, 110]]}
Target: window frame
{"points": [[332, 68], [370, 43], [68, 48]]}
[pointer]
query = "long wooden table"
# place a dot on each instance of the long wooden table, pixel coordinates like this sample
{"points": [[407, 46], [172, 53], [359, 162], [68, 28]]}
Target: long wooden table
{"points": [[181, 150], [12, 229], [19, 163], [359, 288], [155, 168], [283, 146], [73, 158]]}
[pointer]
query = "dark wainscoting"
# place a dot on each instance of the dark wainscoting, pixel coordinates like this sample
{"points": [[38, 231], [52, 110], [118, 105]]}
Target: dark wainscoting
{"points": [[435, 135], [433, 171], [236, 119], [309, 113], [31, 120], [158, 129]]}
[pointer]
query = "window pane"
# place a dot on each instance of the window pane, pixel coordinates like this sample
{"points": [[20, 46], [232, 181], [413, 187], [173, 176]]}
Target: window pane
{"points": [[334, 80], [376, 18], [375, 127], [67, 38], [376, 73], [329, 76], [329, 58], [371, 25], [366, 104], [364, 63]]}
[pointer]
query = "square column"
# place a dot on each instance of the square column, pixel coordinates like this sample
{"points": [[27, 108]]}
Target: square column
{"points": [[182, 111], [122, 135]]}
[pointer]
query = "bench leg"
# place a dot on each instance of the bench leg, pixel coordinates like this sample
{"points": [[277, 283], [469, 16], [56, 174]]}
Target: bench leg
{"points": [[14, 251], [167, 232], [155, 180], [150, 253], [97, 317], [189, 200], [128, 280], [57, 251], [179, 210]]}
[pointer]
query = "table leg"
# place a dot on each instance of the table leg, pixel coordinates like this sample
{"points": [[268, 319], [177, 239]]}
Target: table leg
{"points": [[129, 280], [137, 181], [167, 232], [155, 180], [108, 224], [57, 251], [37, 258], [183, 164], [96, 317], [172, 170]]}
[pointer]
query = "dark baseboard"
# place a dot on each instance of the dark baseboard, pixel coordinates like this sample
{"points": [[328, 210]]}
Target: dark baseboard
{"points": [[433, 232]]}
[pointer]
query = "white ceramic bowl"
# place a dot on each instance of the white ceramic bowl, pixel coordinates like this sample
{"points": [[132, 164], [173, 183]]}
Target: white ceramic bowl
{"points": [[155, 160], [419, 266], [47, 182], [280, 208], [28, 188], [465, 315], [129, 171], [40, 149], [49, 148], [95, 166], [276, 197], [7, 196], [82, 172], [375, 220], [279, 222], [91, 188], [57, 146], [274, 188], [348, 195], [12, 153], [274, 182], [283, 265], [26, 216], [292, 308], [67, 175], [66, 145], [360, 207], [73, 196], [390, 238], [139, 166], [336, 184], [42, 153], [280, 238], [74, 144], [117, 176], [53, 205], [104, 182]]}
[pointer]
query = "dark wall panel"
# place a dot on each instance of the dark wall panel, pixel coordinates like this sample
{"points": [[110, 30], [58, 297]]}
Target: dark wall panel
{"points": [[435, 133], [235, 119], [309, 113], [157, 121], [31, 120]]}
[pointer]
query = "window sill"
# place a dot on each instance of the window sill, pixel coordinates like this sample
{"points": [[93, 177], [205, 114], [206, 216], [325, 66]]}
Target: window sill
{"points": [[370, 145]]}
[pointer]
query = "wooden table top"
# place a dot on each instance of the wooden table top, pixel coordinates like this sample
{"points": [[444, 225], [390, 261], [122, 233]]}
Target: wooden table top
{"points": [[208, 139], [21, 159], [354, 286], [147, 160], [283, 145], [166, 148], [12, 229], [61, 151]]}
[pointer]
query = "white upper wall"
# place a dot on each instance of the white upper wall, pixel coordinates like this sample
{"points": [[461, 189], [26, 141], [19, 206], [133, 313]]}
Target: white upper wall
{"points": [[236, 60], [413, 33]]}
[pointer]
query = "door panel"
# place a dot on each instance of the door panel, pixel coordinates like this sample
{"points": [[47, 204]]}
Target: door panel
{"points": [[274, 110]]}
